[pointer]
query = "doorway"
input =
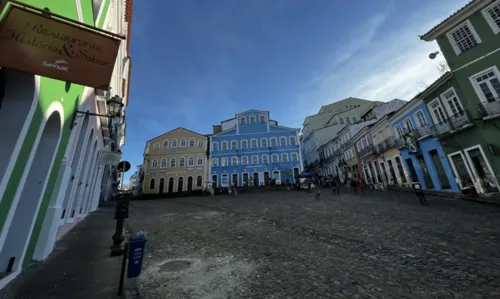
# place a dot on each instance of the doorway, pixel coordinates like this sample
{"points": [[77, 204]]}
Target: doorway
{"points": [[266, 178], [180, 184], [400, 170], [295, 172], [438, 164], [190, 184], [481, 169], [425, 171], [256, 179], [214, 181], [276, 175], [161, 186], [30, 194], [392, 173], [235, 180], [170, 185], [245, 179]]}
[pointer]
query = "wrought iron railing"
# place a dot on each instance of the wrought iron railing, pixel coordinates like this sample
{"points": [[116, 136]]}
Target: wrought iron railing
{"points": [[453, 123], [366, 151], [422, 131], [492, 108], [400, 143]]}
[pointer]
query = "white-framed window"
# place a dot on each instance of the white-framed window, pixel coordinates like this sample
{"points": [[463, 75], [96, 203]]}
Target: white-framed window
{"points": [[234, 144], [295, 157], [353, 119], [165, 144], [224, 146], [234, 161], [341, 121], [215, 162], [157, 146], [183, 142], [224, 180], [201, 143], [163, 163], [284, 157], [191, 141], [282, 141], [181, 162], [487, 84], [437, 111], [199, 162], [252, 119], [265, 159], [398, 131], [255, 160], [274, 142], [174, 143], [408, 125], [263, 143], [262, 118], [244, 160], [274, 158], [492, 15], [463, 37], [224, 161], [191, 161], [293, 140], [420, 118], [172, 162], [348, 120], [154, 164], [215, 146], [451, 102], [243, 120], [244, 144], [254, 143]]}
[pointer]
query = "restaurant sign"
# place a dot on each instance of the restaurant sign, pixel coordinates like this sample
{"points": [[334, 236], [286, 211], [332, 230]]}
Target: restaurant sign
{"points": [[39, 43]]}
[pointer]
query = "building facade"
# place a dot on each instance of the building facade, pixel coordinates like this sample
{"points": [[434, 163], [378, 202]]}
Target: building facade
{"points": [[251, 150], [51, 175], [175, 162], [465, 110]]}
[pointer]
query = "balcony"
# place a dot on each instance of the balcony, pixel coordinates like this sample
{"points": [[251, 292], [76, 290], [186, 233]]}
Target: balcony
{"points": [[400, 143], [451, 125], [422, 131], [492, 109], [366, 151]]}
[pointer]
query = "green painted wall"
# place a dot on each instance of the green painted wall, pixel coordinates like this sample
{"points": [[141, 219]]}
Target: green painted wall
{"points": [[50, 90]]}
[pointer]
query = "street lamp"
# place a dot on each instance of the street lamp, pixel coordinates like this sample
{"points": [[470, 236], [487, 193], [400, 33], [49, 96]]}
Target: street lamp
{"points": [[114, 109]]}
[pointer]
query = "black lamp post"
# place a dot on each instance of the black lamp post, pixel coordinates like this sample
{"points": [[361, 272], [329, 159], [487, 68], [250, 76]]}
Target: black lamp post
{"points": [[114, 109], [121, 213]]}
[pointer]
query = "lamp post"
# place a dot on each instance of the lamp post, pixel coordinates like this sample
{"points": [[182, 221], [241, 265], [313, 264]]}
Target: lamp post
{"points": [[121, 213], [114, 109]]}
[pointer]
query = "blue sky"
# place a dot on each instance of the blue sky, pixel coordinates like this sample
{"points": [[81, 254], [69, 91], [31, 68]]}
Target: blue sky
{"points": [[198, 62]]}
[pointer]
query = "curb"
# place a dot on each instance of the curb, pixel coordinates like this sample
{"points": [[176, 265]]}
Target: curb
{"points": [[454, 196]]}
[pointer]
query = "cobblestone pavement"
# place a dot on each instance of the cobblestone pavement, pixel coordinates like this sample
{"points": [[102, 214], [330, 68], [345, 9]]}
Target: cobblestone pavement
{"points": [[286, 244]]}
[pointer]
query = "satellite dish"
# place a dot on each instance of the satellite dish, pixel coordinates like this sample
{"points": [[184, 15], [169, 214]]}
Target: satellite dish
{"points": [[433, 55]]}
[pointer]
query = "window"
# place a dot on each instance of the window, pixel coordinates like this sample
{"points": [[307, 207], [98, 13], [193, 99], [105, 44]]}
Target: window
{"points": [[408, 125], [282, 141], [252, 119], [487, 85], [262, 118], [199, 181], [244, 160], [201, 143], [224, 161], [234, 161], [255, 160], [243, 120], [399, 132], [165, 144], [244, 144], [200, 161], [274, 158], [154, 164], [295, 157], [152, 184], [341, 121], [215, 162], [172, 162], [181, 162], [174, 142], [191, 141], [353, 119], [191, 161], [263, 142], [274, 142], [215, 146], [463, 37], [157, 146], [293, 141], [284, 157], [234, 145], [420, 118], [348, 120], [451, 101], [183, 142], [437, 111], [163, 163], [265, 159], [253, 143], [224, 145], [492, 16]]}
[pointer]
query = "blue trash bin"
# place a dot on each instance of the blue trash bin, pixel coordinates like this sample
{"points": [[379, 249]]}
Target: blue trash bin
{"points": [[136, 247]]}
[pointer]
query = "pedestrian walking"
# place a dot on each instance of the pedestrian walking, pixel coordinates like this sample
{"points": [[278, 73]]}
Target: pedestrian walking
{"points": [[318, 192], [354, 186], [212, 192]]}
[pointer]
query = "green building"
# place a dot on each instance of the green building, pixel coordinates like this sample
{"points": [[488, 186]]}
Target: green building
{"points": [[465, 103], [56, 58]]}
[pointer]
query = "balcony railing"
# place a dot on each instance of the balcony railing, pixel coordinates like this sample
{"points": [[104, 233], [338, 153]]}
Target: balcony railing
{"points": [[366, 151], [451, 124], [400, 143], [422, 131], [492, 108]]}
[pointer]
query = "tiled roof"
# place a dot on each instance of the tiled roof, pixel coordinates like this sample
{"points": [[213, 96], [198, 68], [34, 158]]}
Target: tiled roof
{"points": [[423, 36]]}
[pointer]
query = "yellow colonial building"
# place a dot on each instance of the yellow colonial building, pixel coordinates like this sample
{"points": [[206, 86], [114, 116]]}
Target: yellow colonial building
{"points": [[175, 162]]}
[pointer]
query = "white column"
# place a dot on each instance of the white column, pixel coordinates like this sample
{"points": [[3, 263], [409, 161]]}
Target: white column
{"points": [[95, 195]]}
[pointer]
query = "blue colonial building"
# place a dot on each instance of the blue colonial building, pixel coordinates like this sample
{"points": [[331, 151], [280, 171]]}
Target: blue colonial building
{"points": [[251, 149], [423, 157]]}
